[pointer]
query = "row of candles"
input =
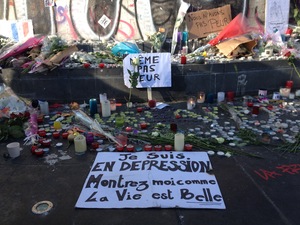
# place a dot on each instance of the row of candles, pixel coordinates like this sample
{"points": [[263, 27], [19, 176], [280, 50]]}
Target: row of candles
{"points": [[106, 105]]}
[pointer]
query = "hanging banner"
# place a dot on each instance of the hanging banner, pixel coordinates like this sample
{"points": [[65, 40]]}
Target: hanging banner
{"points": [[276, 16], [154, 69], [151, 179]]}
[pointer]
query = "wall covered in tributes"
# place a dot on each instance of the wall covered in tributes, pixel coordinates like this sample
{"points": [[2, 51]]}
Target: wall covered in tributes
{"points": [[120, 19]]}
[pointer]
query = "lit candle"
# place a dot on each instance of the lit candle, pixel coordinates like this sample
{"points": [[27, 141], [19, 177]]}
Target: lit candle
{"points": [[201, 98], [105, 107], [221, 96], [188, 147], [191, 103], [80, 144], [179, 142], [149, 93]]}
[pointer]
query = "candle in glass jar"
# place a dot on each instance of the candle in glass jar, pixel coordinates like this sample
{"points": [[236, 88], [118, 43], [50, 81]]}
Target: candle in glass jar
{"points": [[113, 105], [105, 107], [201, 98], [179, 142], [191, 103], [80, 144]]}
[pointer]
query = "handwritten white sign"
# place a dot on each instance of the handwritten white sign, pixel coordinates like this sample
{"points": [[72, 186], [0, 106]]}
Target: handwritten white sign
{"points": [[276, 16], [151, 179], [154, 69]]}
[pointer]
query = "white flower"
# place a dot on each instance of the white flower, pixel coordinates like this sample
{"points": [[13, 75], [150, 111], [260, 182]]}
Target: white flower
{"points": [[155, 134], [136, 61]]}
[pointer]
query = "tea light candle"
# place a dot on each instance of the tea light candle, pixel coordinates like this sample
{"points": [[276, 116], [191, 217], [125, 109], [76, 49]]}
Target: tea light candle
{"points": [[55, 134], [201, 98], [157, 147], [105, 107], [143, 125], [95, 145], [80, 144], [139, 109], [130, 148], [179, 142], [128, 129], [188, 147], [168, 147], [65, 135], [120, 148], [147, 147]]}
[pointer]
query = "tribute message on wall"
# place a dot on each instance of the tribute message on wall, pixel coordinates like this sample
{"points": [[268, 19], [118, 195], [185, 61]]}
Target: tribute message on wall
{"points": [[151, 179], [204, 22]]}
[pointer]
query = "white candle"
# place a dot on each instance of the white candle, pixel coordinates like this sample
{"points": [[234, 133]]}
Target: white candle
{"points": [[179, 142], [103, 97], [105, 108], [80, 144], [221, 96], [201, 98], [149, 93], [191, 103]]}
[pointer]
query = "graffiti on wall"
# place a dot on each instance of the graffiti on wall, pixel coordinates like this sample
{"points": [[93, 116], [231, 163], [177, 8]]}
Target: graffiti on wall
{"points": [[126, 19]]}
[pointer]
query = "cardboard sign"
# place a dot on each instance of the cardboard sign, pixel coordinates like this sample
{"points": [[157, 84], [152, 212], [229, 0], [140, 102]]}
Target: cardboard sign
{"points": [[276, 16], [204, 22], [151, 179], [154, 69]]}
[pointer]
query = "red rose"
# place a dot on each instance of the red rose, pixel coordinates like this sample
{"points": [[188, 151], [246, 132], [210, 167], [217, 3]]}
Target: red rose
{"points": [[86, 65], [101, 65]]}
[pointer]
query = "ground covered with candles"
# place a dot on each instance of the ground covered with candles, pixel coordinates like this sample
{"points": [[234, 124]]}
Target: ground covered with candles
{"points": [[224, 128]]}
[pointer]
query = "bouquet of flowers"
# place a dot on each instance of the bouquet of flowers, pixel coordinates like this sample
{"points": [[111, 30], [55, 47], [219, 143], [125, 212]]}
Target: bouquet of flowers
{"points": [[157, 39]]}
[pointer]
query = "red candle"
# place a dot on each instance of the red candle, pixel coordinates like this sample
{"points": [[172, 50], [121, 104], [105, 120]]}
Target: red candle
{"points": [[143, 125], [130, 148], [255, 109], [42, 133], [65, 135], [147, 147], [95, 145], [46, 143], [289, 84], [188, 147], [168, 147], [40, 119], [39, 152], [139, 109], [33, 148], [183, 59], [230, 96], [55, 135], [152, 103], [128, 129], [157, 147], [120, 148]]}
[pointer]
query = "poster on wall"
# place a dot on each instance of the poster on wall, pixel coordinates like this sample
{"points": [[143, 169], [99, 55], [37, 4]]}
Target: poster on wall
{"points": [[154, 69], [151, 179], [17, 30], [276, 16]]}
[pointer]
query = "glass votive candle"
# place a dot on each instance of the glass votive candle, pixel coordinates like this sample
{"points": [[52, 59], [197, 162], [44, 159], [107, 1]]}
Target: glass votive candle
{"points": [[191, 103], [188, 147], [130, 148], [221, 96], [201, 97], [120, 148], [113, 104], [55, 134], [230, 96], [284, 91], [168, 147], [292, 96], [157, 147], [210, 98], [255, 109], [276, 95], [289, 84], [147, 147]]}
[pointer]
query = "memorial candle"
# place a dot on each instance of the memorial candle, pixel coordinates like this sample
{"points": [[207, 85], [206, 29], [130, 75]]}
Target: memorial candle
{"points": [[80, 144], [179, 142], [105, 107]]}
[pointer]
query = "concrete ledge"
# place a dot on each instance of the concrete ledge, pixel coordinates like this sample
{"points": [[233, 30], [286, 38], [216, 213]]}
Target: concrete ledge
{"points": [[65, 85]]}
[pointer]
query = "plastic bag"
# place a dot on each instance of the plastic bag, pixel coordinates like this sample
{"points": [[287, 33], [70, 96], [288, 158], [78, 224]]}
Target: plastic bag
{"points": [[123, 48]]}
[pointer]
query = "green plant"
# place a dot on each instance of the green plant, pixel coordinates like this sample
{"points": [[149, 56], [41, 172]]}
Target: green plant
{"points": [[133, 76]]}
